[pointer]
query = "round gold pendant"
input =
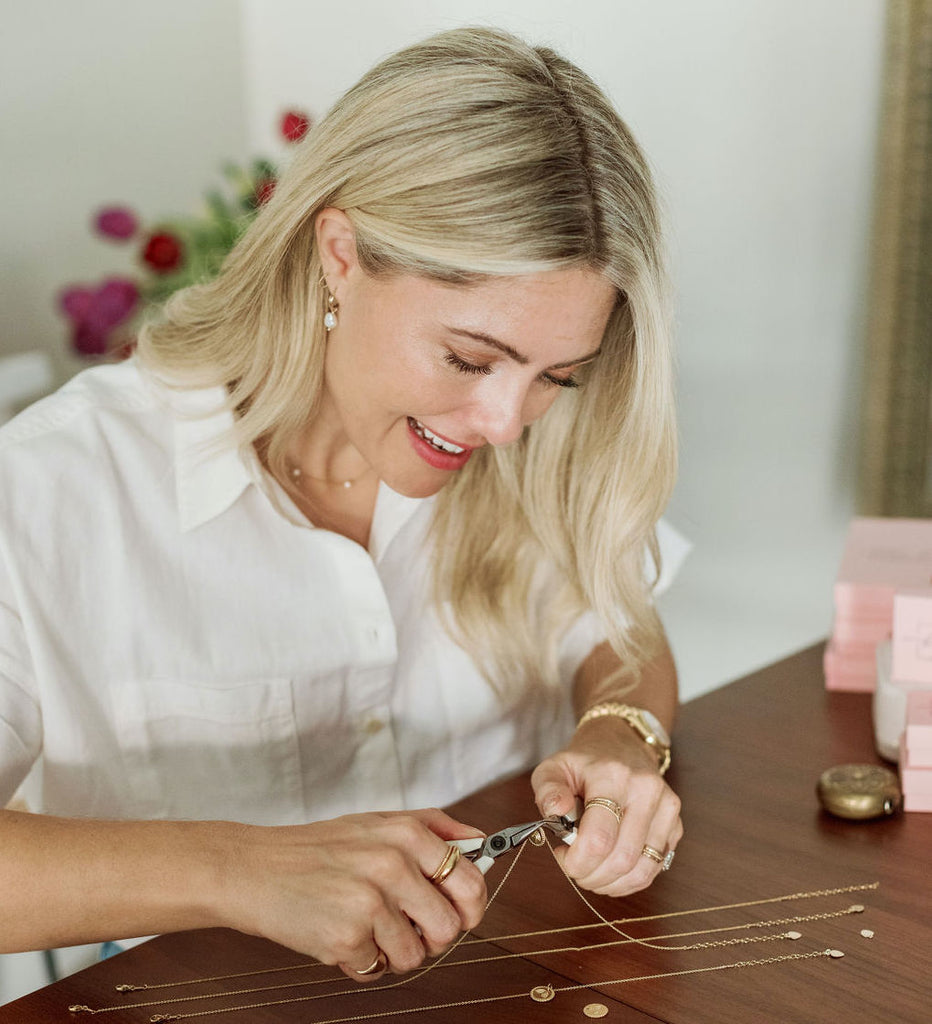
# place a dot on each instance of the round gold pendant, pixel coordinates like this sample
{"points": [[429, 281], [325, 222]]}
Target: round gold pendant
{"points": [[542, 993], [859, 791]]}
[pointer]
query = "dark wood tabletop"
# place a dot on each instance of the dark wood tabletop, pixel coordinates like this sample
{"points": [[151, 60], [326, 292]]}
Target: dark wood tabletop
{"points": [[746, 761]]}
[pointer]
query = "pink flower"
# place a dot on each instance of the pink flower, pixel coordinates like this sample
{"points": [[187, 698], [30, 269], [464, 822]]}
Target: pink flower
{"points": [[163, 252], [116, 222], [295, 125], [95, 312]]}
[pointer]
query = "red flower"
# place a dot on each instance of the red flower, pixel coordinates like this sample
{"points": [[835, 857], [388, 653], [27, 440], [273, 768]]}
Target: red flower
{"points": [[94, 312], [163, 253], [264, 190], [295, 125], [116, 222]]}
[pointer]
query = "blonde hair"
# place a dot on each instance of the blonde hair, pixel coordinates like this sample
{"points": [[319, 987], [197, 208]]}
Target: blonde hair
{"points": [[469, 155]]}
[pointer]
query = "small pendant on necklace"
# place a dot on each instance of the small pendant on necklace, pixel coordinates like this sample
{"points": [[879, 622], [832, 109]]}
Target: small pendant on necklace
{"points": [[347, 483]]}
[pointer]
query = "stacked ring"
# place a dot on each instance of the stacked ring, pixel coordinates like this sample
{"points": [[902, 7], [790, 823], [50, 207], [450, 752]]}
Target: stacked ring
{"points": [[649, 851], [376, 967], [446, 866], [609, 805]]}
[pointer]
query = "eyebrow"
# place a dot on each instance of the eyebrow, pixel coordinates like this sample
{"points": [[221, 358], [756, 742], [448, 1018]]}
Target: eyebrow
{"points": [[513, 353]]}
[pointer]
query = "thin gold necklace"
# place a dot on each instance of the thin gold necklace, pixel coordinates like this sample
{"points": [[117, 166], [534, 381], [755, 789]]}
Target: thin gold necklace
{"points": [[297, 475], [539, 993]]}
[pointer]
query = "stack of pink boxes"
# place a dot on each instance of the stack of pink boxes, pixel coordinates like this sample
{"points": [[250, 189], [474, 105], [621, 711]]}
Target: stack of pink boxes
{"points": [[881, 557], [916, 752]]}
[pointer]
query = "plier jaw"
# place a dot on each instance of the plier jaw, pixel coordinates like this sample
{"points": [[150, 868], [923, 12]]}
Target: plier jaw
{"points": [[484, 852]]}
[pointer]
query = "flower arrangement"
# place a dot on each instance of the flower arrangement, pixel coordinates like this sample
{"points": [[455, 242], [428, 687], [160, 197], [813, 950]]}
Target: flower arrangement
{"points": [[173, 254]]}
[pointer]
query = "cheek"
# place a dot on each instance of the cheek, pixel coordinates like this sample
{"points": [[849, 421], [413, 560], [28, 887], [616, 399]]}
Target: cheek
{"points": [[538, 401]]}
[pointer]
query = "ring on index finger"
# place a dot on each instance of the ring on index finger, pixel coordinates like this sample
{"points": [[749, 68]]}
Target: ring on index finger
{"points": [[609, 805]]}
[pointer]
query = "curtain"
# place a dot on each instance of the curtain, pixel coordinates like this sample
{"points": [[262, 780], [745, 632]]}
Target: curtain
{"points": [[896, 447]]}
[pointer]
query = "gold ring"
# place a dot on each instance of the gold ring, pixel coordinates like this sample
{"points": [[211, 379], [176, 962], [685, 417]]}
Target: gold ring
{"points": [[376, 967], [649, 851], [609, 805], [447, 865]]}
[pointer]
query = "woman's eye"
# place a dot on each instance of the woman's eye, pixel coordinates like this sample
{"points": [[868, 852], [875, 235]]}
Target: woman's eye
{"points": [[561, 382], [465, 367]]}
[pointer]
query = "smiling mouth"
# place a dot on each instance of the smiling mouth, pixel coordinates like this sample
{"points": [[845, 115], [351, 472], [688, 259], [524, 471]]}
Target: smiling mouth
{"points": [[435, 441]]}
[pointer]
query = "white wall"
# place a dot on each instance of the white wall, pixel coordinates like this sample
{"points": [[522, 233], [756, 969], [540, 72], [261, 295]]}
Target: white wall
{"points": [[103, 101], [760, 119]]}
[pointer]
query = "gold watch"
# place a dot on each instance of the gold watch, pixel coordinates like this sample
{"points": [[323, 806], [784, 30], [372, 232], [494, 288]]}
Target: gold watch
{"points": [[642, 721]]}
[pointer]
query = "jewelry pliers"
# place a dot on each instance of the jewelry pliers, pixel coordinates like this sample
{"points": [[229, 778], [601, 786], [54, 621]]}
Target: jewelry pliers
{"points": [[484, 852]]}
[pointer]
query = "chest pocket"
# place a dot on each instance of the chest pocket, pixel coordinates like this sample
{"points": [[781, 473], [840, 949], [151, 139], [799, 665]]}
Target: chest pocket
{"points": [[211, 750]]}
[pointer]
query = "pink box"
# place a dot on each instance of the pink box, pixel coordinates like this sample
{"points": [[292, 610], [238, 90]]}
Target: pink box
{"points": [[912, 636], [916, 802], [918, 735], [914, 779], [881, 556], [850, 677]]}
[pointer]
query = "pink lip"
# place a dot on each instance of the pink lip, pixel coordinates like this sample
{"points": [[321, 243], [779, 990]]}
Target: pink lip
{"points": [[433, 457]]}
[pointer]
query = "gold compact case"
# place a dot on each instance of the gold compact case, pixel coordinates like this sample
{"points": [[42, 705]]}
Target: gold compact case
{"points": [[859, 791]]}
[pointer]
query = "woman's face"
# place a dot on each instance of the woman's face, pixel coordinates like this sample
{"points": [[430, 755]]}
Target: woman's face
{"points": [[418, 374]]}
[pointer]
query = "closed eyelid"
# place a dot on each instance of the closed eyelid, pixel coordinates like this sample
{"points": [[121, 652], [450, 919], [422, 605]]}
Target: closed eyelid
{"points": [[512, 353]]}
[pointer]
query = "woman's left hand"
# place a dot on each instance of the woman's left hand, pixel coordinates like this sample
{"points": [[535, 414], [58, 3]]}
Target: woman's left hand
{"points": [[607, 759]]}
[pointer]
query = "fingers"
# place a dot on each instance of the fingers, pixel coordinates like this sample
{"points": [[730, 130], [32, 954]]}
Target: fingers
{"points": [[628, 813]]}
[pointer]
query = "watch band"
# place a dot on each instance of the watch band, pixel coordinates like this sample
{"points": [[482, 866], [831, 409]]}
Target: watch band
{"points": [[652, 733]]}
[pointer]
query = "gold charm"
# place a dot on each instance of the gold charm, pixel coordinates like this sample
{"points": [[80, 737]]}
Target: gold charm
{"points": [[538, 838], [542, 993], [867, 933], [595, 1010], [837, 953]]}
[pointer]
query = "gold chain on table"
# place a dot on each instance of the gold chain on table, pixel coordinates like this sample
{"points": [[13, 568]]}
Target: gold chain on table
{"points": [[80, 1008], [524, 995], [742, 941], [854, 909], [815, 894], [155, 1018]]}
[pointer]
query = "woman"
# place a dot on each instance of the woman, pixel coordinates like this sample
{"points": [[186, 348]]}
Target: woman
{"points": [[363, 527]]}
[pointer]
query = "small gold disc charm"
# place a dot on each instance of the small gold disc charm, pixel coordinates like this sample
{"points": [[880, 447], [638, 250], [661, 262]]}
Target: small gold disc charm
{"points": [[79, 1008], [537, 838], [867, 933], [837, 953], [542, 993], [794, 935], [595, 1010]]}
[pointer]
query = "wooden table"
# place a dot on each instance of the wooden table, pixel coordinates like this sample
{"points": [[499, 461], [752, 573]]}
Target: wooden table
{"points": [[746, 762]]}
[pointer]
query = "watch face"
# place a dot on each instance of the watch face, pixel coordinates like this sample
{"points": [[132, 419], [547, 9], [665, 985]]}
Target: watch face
{"points": [[655, 727]]}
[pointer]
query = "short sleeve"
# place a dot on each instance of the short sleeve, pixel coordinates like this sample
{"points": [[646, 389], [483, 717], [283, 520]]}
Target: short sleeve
{"points": [[587, 632], [20, 721]]}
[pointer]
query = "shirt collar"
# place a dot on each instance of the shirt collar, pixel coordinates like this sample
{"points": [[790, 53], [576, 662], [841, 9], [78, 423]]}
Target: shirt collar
{"points": [[210, 472]]}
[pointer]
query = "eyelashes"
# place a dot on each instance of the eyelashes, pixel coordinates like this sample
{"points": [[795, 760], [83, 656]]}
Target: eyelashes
{"points": [[483, 369]]}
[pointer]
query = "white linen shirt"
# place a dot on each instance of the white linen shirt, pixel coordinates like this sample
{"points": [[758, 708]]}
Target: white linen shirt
{"points": [[176, 642]]}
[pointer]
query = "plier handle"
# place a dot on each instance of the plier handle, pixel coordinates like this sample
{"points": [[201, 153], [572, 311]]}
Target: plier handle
{"points": [[484, 852]]}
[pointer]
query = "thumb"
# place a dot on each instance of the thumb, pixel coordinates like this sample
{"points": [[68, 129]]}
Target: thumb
{"points": [[554, 792]]}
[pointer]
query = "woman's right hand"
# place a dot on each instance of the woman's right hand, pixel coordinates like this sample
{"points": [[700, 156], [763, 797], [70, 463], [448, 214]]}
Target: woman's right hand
{"points": [[348, 889]]}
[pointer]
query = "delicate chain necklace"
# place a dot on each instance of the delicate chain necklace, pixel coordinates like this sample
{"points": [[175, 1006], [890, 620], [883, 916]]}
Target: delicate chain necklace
{"points": [[297, 475], [541, 993]]}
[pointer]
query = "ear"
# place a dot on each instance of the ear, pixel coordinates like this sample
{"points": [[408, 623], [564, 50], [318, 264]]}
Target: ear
{"points": [[336, 244]]}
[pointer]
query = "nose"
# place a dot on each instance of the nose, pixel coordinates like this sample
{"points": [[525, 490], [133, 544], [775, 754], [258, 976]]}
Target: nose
{"points": [[501, 411]]}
